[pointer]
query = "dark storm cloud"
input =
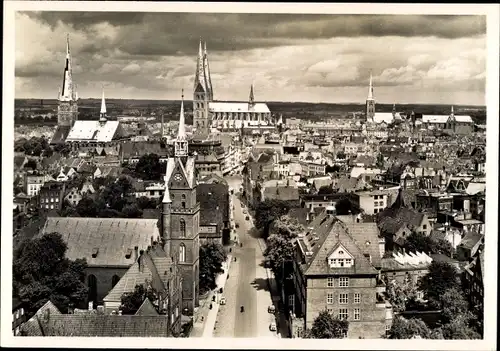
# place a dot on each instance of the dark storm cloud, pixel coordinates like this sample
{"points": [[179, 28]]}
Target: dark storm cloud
{"points": [[178, 33]]}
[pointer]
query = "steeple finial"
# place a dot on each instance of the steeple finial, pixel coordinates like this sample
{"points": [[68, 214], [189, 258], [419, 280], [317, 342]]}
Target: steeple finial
{"points": [[67, 45], [181, 135], [181, 144]]}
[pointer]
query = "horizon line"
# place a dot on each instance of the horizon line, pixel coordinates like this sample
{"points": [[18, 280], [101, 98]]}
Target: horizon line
{"points": [[270, 101]]}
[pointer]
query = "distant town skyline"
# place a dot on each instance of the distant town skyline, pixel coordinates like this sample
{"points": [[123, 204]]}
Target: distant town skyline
{"points": [[305, 58]]}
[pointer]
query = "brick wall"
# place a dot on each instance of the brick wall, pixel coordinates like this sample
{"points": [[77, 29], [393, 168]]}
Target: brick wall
{"points": [[372, 316]]}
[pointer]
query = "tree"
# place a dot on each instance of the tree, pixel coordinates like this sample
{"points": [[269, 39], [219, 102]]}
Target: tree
{"points": [[41, 272], [423, 243], [325, 326], [280, 244], [131, 211], [132, 301], [267, 211], [403, 328], [212, 255], [345, 207], [30, 164], [341, 155], [149, 167], [400, 295], [88, 207], [459, 329], [441, 276], [453, 304]]}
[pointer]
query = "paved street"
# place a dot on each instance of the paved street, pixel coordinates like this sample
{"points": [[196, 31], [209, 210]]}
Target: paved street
{"points": [[246, 286]]}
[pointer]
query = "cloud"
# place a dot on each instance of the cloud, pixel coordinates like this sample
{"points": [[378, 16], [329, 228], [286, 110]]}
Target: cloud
{"points": [[286, 57]]}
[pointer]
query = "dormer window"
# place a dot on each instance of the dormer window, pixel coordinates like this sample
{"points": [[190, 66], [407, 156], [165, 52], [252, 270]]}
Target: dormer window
{"points": [[340, 258]]}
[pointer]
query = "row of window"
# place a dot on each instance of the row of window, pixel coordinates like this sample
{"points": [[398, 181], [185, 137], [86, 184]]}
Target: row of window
{"points": [[376, 197], [343, 282], [378, 203], [343, 298], [47, 200], [344, 313], [341, 262]]}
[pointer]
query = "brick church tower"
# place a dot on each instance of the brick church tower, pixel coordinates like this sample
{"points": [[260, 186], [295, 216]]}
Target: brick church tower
{"points": [[203, 93], [180, 217]]}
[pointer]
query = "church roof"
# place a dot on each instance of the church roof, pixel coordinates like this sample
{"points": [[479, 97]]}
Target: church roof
{"points": [[93, 131], [110, 240], [242, 107], [152, 267], [380, 117], [60, 135]]}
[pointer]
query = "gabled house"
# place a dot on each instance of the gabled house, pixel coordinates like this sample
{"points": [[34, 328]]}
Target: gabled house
{"points": [[335, 270], [473, 279], [470, 245], [399, 220]]}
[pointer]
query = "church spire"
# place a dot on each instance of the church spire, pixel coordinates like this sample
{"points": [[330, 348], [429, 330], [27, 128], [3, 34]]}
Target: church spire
{"points": [[181, 144], [370, 89], [102, 117], [251, 100], [200, 71], [206, 68], [452, 111], [68, 91]]}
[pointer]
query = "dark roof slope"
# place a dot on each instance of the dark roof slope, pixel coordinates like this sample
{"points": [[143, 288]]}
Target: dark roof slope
{"points": [[214, 203]]}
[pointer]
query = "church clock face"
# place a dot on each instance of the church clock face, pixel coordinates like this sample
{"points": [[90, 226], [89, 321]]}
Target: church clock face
{"points": [[178, 177]]}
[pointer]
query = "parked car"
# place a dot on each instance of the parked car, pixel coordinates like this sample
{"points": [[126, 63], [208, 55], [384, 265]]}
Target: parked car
{"points": [[272, 326], [222, 300], [247, 218], [237, 225], [244, 211], [271, 309]]}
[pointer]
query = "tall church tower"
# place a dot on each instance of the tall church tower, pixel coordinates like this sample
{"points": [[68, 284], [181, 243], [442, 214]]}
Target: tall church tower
{"points": [[180, 217], [370, 103], [67, 110], [102, 114], [251, 99], [202, 93]]}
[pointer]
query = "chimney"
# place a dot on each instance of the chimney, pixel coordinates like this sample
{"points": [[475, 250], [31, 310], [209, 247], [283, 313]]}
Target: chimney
{"points": [[139, 261], [136, 250]]}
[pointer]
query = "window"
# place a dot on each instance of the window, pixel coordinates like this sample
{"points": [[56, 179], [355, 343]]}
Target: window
{"points": [[182, 226], [329, 310], [387, 329], [51, 199], [357, 297], [343, 299], [424, 227], [172, 319], [329, 282], [348, 262], [356, 314], [291, 300], [183, 196], [329, 298], [343, 282], [341, 262], [182, 253], [57, 200], [177, 311], [183, 204], [51, 207], [343, 314]]}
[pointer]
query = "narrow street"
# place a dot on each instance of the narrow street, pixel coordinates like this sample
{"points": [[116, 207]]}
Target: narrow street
{"points": [[246, 286]]}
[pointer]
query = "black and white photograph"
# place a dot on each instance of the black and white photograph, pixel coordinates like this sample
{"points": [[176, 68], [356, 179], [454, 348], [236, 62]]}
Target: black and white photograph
{"points": [[244, 174]]}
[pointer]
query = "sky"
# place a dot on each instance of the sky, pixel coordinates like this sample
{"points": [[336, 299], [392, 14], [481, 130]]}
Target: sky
{"points": [[431, 59]]}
